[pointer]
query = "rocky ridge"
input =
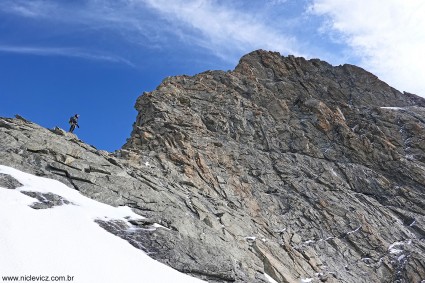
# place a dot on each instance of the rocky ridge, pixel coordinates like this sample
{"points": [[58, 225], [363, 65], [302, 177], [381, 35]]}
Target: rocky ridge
{"points": [[284, 166]]}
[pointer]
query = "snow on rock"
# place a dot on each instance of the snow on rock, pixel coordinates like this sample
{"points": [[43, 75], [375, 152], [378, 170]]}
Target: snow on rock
{"points": [[269, 278], [355, 230], [394, 250], [393, 108], [65, 241]]}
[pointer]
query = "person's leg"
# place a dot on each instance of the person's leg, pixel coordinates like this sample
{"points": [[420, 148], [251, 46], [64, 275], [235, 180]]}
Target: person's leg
{"points": [[72, 128]]}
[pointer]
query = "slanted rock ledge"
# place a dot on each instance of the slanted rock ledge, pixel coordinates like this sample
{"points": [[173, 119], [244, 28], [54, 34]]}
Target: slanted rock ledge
{"points": [[284, 166]]}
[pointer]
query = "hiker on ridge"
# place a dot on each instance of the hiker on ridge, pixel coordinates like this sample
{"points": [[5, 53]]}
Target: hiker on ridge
{"points": [[73, 121]]}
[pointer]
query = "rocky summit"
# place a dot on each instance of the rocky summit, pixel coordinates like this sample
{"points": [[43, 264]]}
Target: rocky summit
{"points": [[286, 168]]}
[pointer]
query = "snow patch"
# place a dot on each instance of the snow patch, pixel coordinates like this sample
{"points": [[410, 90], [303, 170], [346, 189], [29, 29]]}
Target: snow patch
{"points": [[357, 229], [65, 240], [410, 157], [306, 280], [401, 257], [269, 278], [393, 108], [156, 225], [395, 244], [395, 251]]}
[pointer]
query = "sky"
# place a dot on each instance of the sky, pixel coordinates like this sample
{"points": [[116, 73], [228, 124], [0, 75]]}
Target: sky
{"points": [[95, 57], [65, 240]]}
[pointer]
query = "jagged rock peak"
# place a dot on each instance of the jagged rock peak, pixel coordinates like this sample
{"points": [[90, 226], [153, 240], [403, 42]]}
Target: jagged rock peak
{"points": [[268, 82], [326, 79], [327, 154]]}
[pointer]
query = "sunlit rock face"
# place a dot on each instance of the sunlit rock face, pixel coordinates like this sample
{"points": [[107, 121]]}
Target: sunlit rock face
{"points": [[284, 166]]}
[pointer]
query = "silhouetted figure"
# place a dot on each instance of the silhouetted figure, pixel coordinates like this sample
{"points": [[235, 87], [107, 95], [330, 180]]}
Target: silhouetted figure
{"points": [[73, 121]]}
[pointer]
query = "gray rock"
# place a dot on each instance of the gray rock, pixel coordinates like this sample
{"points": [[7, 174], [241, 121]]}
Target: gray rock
{"points": [[296, 154], [45, 200], [8, 182]]}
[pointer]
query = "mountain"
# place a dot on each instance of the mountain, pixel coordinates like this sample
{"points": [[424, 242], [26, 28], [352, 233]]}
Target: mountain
{"points": [[283, 169]]}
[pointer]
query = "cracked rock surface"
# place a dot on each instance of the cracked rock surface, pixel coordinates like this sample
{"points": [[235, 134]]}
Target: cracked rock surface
{"points": [[284, 166]]}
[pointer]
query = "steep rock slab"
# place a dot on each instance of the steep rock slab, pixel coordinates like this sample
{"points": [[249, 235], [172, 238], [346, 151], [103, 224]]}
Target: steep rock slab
{"points": [[305, 170]]}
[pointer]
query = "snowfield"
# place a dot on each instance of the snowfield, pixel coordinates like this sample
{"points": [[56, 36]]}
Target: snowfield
{"points": [[65, 240]]}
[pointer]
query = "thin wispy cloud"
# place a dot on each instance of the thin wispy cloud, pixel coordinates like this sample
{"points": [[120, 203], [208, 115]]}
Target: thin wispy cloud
{"points": [[209, 25], [32, 9], [64, 52], [388, 38], [222, 29]]}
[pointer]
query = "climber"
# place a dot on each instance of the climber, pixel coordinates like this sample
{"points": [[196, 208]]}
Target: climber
{"points": [[73, 121]]}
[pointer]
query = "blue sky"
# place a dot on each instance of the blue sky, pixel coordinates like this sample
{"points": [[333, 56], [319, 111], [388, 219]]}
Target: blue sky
{"points": [[95, 57]]}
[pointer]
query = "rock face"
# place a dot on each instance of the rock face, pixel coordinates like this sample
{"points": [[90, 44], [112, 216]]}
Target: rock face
{"points": [[293, 168], [8, 182]]}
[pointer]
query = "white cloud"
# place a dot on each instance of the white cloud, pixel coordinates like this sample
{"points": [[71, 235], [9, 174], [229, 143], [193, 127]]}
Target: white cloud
{"points": [[65, 52], [223, 29], [217, 26], [276, 2], [32, 9], [389, 37]]}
